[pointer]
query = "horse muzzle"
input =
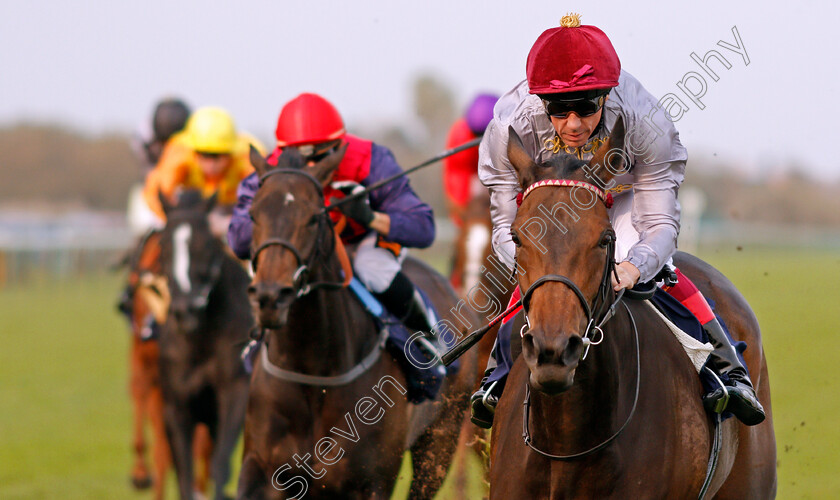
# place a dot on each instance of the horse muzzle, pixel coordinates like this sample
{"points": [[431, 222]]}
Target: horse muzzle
{"points": [[271, 302], [552, 361]]}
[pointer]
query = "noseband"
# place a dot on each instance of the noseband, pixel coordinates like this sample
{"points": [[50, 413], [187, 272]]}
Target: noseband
{"points": [[300, 278]]}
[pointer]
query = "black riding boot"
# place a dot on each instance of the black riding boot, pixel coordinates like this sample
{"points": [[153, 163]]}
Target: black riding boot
{"points": [[404, 301], [743, 402], [483, 402]]}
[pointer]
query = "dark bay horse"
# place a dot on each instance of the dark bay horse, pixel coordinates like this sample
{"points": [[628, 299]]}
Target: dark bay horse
{"points": [[209, 318], [144, 378], [327, 416], [627, 421]]}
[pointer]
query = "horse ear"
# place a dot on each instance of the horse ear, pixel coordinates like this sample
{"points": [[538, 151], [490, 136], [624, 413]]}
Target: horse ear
{"points": [[519, 158], [257, 160], [164, 202], [324, 169], [610, 155]]}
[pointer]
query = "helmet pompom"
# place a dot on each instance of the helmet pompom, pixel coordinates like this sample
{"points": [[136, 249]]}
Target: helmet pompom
{"points": [[570, 20]]}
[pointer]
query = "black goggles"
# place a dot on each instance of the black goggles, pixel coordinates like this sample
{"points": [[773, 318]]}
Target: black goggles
{"points": [[210, 156], [317, 152], [581, 107]]}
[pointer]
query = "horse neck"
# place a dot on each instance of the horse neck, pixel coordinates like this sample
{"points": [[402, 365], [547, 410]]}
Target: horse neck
{"points": [[600, 399], [327, 330], [228, 291]]}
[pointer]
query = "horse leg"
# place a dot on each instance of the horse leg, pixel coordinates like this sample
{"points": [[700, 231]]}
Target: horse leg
{"points": [[252, 479], [140, 477], [232, 405], [179, 429], [161, 456], [202, 451]]}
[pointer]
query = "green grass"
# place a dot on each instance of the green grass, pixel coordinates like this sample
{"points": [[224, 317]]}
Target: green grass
{"points": [[793, 294], [65, 416]]}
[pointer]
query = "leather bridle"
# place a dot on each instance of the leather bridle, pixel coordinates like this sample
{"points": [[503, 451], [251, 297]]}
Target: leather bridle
{"points": [[597, 315], [300, 279]]}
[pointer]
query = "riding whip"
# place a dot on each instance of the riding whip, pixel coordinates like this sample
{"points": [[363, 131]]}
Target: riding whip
{"points": [[449, 152], [473, 338]]}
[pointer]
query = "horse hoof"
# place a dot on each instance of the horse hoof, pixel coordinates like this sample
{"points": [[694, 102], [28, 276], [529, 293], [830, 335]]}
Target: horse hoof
{"points": [[141, 483]]}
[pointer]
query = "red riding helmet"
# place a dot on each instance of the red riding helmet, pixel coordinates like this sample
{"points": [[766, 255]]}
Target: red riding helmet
{"points": [[308, 119], [572, 58]]}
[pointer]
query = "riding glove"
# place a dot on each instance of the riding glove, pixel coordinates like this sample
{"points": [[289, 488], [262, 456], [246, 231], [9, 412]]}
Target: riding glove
{"points": [[359, 209]]}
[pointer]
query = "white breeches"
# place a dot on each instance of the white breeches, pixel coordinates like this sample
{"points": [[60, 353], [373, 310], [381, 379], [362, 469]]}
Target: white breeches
{"points": [[374, 266]]}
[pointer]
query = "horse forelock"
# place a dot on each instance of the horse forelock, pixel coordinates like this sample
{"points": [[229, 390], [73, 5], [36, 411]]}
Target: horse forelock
{"points": [[290, 158], [561, 166]]}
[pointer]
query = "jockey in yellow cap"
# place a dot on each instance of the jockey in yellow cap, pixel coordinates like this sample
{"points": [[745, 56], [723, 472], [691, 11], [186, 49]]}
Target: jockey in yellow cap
{"points": [[208, 155]]}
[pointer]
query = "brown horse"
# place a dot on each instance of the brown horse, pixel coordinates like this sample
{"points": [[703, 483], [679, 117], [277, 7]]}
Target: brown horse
{"points": [[144, 379], [327, 414], [202, 377], [627, 421]]}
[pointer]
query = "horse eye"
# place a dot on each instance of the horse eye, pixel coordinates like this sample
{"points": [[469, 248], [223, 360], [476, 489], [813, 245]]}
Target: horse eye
{"points": [[515, 238], [313, 220]]}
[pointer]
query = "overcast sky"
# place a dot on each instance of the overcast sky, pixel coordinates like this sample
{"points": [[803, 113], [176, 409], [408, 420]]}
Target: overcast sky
{"points": [[101, 65]]}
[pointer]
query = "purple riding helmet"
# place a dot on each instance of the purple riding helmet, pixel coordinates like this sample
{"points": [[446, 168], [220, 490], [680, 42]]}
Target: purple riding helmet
{"points": [[480, 112]]}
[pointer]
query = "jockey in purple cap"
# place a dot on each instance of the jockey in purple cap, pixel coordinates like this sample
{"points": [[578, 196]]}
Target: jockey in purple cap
{"points": [[460, 171]]}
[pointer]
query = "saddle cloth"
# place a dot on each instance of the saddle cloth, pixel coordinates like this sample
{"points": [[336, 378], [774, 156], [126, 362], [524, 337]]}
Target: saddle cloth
{"points": [[696, 350], [424, 377]]}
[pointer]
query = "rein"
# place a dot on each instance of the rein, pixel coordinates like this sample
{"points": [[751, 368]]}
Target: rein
{"points": [[526, 433]]}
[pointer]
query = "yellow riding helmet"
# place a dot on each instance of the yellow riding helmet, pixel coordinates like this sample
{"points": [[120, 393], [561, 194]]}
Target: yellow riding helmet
{"points": [[211, 130]]}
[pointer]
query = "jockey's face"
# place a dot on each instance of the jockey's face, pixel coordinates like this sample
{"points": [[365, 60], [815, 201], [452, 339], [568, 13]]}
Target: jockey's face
{"points": [[575, 130], [213, 165]]}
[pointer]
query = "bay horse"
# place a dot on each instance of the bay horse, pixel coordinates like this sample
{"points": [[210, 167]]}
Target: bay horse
{"points": [[327, 416], [144, 378], [627, 421], [202, 377]]}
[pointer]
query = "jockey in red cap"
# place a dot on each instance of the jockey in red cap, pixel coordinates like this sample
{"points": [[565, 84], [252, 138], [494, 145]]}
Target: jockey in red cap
{"points": [[460, 171], [379, 226], [574, 93]]}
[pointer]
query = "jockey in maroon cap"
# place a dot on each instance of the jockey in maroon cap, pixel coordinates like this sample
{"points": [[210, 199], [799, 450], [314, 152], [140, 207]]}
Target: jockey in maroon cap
{"points": [[574, 93]]}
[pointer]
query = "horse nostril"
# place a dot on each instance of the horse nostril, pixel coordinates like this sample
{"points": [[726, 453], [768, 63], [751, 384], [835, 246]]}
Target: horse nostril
{"points": [[573, 350], [286, 295], [528, 342]]}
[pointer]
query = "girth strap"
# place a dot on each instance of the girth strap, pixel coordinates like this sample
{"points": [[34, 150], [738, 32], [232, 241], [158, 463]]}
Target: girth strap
{"points": [[345, 378]]}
